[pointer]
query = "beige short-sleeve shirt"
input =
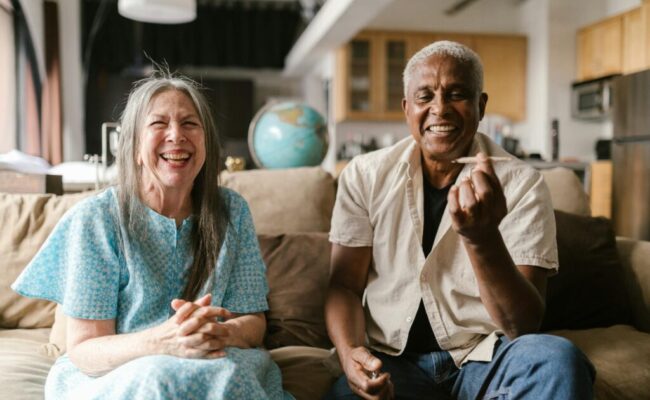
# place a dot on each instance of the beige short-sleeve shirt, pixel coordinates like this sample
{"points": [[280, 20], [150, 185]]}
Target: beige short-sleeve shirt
{"points": [[380, 204]]}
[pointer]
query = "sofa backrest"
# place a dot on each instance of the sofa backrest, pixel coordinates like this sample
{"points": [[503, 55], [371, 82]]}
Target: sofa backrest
{"points": [[567, 192], [27, 220], [281, 201], [286, 200]]}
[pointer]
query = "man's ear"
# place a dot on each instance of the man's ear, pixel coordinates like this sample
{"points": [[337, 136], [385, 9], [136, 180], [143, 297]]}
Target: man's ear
{"points": [[405, 107], [482, 102]]}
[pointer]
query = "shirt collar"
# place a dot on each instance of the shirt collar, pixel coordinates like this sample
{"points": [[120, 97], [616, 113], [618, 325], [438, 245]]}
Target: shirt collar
{"points": [[410, 160]]}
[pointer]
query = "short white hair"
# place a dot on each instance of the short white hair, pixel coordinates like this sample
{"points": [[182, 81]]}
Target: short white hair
{"points": [[455, 50]]}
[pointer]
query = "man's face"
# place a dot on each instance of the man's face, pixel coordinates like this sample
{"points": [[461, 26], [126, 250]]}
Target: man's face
{"points": [[443, 107]]}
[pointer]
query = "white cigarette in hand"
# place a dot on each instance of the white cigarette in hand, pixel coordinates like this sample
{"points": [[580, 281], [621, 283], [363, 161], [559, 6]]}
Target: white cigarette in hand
{"points": [[474, 160]]}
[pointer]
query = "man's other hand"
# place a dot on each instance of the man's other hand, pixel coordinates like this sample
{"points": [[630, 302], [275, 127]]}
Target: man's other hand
{"points": [[364, 376]]}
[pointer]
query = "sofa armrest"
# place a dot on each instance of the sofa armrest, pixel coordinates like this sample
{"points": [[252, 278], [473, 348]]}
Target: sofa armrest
{"points": [[635, 259]]}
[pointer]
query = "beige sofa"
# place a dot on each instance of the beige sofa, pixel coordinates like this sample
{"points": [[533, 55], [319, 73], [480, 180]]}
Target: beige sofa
{"points": [[291, 210]]}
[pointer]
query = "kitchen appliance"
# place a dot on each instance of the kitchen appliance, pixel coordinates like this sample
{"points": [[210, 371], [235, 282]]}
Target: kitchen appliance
{"points": [[631, 155], [592, 99]]}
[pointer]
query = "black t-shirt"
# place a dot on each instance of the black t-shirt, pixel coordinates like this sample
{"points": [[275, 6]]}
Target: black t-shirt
{"points": [[421, 338]]}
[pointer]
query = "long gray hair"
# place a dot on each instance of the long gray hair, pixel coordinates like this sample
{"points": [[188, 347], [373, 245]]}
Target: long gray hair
{"points": [[207, 204], [455, 50]]}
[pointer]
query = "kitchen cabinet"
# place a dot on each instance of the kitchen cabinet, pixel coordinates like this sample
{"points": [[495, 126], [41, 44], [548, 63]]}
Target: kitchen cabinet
{"points": [[636, 39], [353, 90], [600, 192], [599, 48], [504, 70], [634, 47], [616, 45], [368, 82], [368, 79]]}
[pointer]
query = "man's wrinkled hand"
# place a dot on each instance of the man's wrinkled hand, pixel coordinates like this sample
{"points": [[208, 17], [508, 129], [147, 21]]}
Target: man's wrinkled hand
{"points": [[477, 204], [364, 376]]}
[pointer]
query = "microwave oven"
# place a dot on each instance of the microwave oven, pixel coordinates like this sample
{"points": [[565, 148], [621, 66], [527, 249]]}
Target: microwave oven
{"points": [[592, 99]]}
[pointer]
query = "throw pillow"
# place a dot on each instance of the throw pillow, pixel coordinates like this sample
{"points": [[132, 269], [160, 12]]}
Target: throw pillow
{"points": [[298, 275], [589, 290], [27, 220], [287, 200]]}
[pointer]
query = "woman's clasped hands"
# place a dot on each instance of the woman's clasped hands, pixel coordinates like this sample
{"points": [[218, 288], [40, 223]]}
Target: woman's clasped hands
{"points": [[194, 331]]}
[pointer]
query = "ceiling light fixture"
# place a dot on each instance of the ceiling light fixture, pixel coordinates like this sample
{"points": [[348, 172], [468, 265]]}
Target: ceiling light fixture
{"points": [[458, 7], [158, 11]]}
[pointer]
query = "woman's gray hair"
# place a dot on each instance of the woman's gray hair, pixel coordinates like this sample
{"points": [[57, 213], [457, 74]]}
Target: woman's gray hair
{"points": [[208, 207], [458, 51]]}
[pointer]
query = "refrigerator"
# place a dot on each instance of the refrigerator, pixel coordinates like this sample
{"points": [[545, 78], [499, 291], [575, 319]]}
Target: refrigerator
{"points": [[631, 155]]}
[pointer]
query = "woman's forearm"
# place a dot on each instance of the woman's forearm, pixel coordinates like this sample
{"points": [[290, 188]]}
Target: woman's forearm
{"points": [[246, 330], [100, 355]]}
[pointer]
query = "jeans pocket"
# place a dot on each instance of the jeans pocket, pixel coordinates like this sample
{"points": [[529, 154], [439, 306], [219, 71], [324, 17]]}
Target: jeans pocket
{"points": [[446, 373]]}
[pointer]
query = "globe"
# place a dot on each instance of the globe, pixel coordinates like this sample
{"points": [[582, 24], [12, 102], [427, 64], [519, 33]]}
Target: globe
{"points": [[287, 135]]}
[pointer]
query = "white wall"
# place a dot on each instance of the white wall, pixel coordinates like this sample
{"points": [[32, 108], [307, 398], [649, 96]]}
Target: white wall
{"points": [[619, 6], [533, 21]]}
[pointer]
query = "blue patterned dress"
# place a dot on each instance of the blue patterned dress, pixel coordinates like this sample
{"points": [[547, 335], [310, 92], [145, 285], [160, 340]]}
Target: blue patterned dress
{"points": [[91, 267]]}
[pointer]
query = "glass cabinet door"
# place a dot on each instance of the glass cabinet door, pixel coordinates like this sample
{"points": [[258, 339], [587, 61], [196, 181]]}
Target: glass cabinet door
{"points": [[395, 51], [359, 89]]}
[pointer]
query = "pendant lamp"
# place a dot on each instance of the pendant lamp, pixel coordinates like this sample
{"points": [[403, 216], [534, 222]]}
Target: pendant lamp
{"points": [[158, 11]]}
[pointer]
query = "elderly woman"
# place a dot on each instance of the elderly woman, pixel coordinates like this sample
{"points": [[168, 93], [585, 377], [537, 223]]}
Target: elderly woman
{"points": [[161, 277]]}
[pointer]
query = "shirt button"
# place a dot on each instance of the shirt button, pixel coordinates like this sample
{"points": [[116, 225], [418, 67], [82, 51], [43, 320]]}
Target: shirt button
{"points": [[409, 319]]}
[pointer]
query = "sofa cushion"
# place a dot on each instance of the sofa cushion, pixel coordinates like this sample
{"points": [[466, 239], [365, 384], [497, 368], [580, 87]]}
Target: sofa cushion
{"points": [[621, 355], [567, 192], [304, 371], [27, 220], [23, 364], [298, 275], [589, 289], [286, 200], [635, 259]]}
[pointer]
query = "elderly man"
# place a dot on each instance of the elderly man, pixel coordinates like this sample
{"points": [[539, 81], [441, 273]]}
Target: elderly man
{"points": [[439, 266]]}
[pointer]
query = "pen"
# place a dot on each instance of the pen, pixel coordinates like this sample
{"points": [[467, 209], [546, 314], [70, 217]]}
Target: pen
{"points": [[470, 160]]}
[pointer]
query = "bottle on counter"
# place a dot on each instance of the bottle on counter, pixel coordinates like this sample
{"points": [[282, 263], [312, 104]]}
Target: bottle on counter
{"points": [[555, 139]]}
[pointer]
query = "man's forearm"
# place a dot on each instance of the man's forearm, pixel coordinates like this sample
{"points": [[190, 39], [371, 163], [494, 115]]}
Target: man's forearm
{"points": [[512, 301], [344, 318]]}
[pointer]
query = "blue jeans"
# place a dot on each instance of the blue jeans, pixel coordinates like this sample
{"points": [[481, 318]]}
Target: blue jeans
{"points": [[533, 366]]}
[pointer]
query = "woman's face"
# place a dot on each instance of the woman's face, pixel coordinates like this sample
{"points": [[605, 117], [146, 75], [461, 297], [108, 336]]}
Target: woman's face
{"points": [[172, 141]]}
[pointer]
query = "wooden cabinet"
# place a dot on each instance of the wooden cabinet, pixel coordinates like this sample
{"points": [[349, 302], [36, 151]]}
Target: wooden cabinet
{"points": [[504, 70], [619, 44], [355, 97], [393, 55], [600, 192], [636, 40], [633, 57], [599, 49], [368, 82]]}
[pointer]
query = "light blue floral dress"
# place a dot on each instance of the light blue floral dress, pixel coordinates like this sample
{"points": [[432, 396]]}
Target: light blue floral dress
{"points": [[96, 271]]}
